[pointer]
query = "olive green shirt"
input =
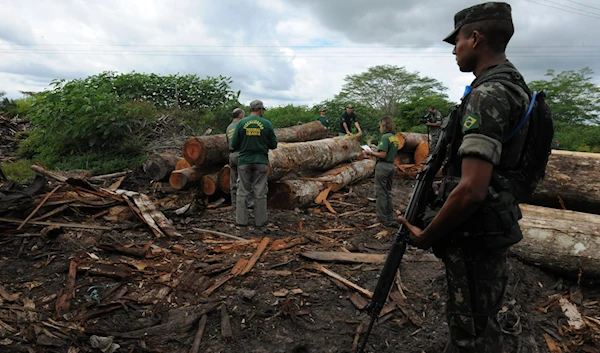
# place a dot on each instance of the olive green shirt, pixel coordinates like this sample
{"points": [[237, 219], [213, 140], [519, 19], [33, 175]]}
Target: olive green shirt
{"points": [[253, 137], [389, 144]]}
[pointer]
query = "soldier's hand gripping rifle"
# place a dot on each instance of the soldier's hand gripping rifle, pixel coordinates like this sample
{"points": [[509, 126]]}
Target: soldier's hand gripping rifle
{"points": [[416, 207]]}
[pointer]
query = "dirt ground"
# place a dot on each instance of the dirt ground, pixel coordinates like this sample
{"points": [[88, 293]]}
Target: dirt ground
{"points": [[154, 302]]}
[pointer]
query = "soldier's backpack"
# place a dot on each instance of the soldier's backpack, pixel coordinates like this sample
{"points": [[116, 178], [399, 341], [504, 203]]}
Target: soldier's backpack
{"points": [[538, 144]]}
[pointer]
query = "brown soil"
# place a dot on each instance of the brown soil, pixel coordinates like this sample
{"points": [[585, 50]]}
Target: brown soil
{"points": [[320, 318]]}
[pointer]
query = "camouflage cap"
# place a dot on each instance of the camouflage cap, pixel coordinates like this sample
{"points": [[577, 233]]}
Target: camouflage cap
{"points": [[350, 106], [322, 108], [256, 104], [481, 12]]}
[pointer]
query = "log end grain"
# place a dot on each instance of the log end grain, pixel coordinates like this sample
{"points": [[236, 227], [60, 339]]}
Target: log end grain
{"points": [[223, 179], [193, 151], [280, 196], [208, 184], [182, 163], [178, 180]]}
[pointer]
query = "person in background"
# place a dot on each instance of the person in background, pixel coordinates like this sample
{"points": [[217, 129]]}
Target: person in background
{"points": [[346, 120], [384, 172], [237, 114]]}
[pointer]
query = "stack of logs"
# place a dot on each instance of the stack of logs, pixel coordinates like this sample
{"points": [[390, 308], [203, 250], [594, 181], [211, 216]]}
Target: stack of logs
{"points": [[305, 164]]}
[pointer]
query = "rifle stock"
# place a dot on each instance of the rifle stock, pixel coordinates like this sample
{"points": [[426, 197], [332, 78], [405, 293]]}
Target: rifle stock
{"points": [[416, 207]]}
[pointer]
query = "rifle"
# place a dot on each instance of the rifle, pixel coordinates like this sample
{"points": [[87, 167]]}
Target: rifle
{"points": [[416, 207]]}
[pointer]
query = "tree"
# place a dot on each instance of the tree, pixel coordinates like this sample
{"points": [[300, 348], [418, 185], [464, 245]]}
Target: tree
{"points": [[384, 87], [572, 96]]}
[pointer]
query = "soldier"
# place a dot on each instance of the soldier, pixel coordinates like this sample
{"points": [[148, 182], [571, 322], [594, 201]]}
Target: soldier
{"points": [[254, 136], [477, 213], [384, 172], [238, 114], [347, 119], [434, 123]]}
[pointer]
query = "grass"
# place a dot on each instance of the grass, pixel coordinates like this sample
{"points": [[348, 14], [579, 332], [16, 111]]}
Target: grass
{"points": [[19, 171]]}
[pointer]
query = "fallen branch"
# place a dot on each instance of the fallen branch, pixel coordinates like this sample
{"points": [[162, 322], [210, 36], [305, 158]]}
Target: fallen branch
{"points": [[63, 225], [261, 247], [38, 207], [200, 230], [345, 257], [199, 334]]}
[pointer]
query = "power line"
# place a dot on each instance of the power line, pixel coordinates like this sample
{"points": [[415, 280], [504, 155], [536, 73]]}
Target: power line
{"points": [[584, 5], [570, 7], [562, 9]]}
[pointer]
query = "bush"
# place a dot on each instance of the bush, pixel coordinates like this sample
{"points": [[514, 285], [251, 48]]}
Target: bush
{"points": [[19, 171], [290, 115]]}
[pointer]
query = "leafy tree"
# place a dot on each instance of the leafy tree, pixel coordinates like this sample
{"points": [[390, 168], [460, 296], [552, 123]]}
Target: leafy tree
{"points": [[572, 95], [290, 115], [384, 87], [411, 112]]}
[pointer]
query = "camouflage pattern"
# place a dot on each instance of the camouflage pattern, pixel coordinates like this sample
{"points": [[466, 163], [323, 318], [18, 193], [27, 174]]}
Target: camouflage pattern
{"points": [[474, 256], [384, 180], [434, 131], [481, 12], [476, 285]]}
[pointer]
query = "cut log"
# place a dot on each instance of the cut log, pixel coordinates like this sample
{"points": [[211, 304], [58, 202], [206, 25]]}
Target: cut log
{"points": [[575, 178], [408, 141], [300, 133], [223, 179], [182, 163], [215, 150], [421, 152], [160, 165], [315, 155], [562, 241], [404, 157], [298, 193], [209, 184], [191, 176]]}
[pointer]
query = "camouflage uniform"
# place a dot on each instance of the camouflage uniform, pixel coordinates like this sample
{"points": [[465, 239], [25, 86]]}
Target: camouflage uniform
{"points": [[434, 131], [475, 252]]}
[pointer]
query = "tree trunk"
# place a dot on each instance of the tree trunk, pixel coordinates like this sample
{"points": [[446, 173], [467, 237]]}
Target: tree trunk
{"points": [[215, 150], [575, 178], [209, 184], [299, 193], [223, 179], [562, 241], [184, 178], [160, 165], [315, 155], [421, 152], [408, 141]]}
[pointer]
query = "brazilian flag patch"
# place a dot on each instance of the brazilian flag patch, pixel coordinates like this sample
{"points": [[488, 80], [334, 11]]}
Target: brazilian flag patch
{"points": [[470, 122]]}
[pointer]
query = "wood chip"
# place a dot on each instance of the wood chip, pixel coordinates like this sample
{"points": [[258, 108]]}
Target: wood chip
{"points": [[226, 331], [358, 301], [332, 274], [9, 297], [573, 315], [252, 261]]}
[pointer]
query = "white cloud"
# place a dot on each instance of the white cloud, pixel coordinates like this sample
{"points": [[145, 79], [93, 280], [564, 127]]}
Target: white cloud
{"points": [[280, 51]]}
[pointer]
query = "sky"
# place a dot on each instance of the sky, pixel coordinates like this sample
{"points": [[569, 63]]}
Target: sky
{"points": [[280, 51]]}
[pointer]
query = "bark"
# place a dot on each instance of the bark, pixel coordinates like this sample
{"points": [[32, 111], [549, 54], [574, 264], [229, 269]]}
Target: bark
{"points": [[209, 184], [289, 194], [191, 176], [575, 178], [421, 152], [300, 133], [408, 141], [562, 241], [315, 155], [223, 179], [215, 150], [160, 165]]}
